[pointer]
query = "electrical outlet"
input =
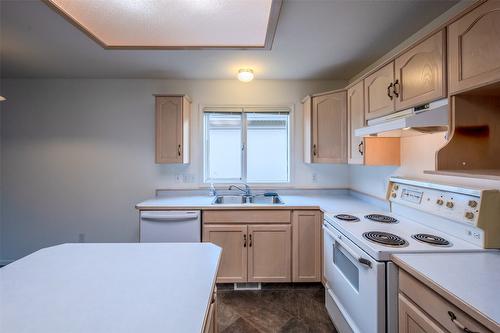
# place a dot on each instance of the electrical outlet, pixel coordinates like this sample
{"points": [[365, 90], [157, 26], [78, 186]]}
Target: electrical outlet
{"points": [[81, 238], [315, 177]]}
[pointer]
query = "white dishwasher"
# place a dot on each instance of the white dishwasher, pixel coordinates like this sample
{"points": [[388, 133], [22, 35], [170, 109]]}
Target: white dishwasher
{"points": [[174, 226]]}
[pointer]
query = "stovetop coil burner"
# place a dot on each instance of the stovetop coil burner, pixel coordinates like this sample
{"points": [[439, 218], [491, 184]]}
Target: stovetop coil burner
{"points": [[385, 238], [347, 217], [381, 218], [431, 239]]}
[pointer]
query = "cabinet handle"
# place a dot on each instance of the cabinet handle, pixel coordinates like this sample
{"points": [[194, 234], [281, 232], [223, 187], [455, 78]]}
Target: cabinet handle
{"points": [[396, 88], [179, 150], [459, 324], [245, 240], [390, 91], [314, 149], [250, 240], [360, 148]]}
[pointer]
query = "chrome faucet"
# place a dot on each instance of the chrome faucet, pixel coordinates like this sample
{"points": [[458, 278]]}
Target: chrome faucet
{"points": [[246, 191], [212, 191]]}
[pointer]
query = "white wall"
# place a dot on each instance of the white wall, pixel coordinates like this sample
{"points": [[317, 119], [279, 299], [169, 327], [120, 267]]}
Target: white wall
{"points": [[77, 155], [417, 155]]}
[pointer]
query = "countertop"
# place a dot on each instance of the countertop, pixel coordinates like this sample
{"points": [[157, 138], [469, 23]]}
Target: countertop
{"points": [[109, 288], [339, 202], [469, 280]]}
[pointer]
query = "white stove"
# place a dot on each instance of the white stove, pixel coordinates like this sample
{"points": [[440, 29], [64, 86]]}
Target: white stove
{"points": [[404, 228], [361, 281]]}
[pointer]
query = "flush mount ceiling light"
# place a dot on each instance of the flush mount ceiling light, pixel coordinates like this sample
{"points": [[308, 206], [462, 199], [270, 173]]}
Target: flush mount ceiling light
{"points": [[245, 75], [174, 24]]}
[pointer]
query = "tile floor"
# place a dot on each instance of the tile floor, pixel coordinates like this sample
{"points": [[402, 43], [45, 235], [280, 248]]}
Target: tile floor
{"points": [[276, 308]]}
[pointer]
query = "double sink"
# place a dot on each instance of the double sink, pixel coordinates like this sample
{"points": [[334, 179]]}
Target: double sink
{"points": [[247, 199]]}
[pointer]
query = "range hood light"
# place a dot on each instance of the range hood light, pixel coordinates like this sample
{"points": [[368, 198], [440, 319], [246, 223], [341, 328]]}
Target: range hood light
{"points": [[2, 99]]}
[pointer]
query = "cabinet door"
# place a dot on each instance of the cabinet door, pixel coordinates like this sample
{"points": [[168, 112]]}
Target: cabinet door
{"points": [[329, 128], [420, 73], [414, 320], [355, 120], [233, 241], [269, 253], [474, 48], [169, 129], [306, 246], [379, 100], [307, 109]]}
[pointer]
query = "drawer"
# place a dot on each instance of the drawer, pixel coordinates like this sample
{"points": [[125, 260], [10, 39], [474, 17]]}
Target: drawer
{"points": [[246, 216], [436, 306]]}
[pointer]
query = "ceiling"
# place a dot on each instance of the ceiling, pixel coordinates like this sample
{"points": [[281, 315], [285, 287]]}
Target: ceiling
{"points": [[329, 39], [169, 24]]}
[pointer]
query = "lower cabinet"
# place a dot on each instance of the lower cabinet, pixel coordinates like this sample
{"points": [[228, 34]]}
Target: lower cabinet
{"points": [[306, 247], [414, 320], [210, 325], [252, 253], [233, 240], [266, 245], [269, 253], [422, 310]]}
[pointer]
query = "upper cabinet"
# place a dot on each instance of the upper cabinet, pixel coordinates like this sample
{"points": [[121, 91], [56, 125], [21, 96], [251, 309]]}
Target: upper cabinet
{"points": [[325, 128], [420, 73], [379, 92], [474, 48], [355, 119], [172, 128]]}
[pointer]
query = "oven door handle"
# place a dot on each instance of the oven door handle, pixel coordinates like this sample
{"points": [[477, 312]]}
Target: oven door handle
{"points": [[353, 254]]}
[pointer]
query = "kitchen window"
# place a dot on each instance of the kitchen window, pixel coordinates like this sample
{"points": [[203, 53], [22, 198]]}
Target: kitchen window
{"points": [[247, 145]]}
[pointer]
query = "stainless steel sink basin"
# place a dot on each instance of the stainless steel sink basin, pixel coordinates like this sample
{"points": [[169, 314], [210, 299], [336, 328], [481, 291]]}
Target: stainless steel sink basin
{"points": [[242, 200], [269, 200], [229, 200]]}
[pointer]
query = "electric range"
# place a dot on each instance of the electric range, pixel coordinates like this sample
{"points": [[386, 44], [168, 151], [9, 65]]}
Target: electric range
{"points": [[362, 282]]}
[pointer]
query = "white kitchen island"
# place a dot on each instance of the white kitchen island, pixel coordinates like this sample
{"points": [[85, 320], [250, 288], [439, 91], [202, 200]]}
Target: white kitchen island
{"points": [[109, 288]]}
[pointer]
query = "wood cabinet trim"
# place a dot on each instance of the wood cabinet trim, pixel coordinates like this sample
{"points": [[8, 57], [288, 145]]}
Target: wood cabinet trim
{"points": [[246, 216]]}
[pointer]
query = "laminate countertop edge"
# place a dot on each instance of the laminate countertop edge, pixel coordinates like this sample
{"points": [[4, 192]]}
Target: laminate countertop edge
{"points": [[482, 318]]}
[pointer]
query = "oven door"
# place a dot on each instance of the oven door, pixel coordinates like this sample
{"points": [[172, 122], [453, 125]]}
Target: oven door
{"points": [[356, 281]]}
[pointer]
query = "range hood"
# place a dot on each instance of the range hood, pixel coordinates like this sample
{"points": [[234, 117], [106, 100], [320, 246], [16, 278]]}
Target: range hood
{"points": [[428, 118]]}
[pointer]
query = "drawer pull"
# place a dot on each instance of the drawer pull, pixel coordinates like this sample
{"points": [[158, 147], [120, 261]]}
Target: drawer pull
{"points": [[459, 324]]}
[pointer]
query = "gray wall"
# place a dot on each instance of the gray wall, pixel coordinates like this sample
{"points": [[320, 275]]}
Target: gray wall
{"points": [[77, 155]]}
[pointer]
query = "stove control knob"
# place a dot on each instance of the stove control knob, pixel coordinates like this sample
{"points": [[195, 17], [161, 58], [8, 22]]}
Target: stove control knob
{"points": [[469, 215], [473, 203], [440, 202], [393, 195], [396, 187], [450, 204]]}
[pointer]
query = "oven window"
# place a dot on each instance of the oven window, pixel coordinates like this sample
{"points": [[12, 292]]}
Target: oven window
{"points": [[345, 265]]}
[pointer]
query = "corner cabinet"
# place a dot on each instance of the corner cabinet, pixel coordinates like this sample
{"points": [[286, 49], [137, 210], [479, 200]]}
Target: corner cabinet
{"points": [[325, 128], [172, 116], [355, 120], [474, 48]]}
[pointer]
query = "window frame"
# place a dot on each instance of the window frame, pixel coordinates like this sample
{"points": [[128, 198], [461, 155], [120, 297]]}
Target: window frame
{"points": [[244, 127]]}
